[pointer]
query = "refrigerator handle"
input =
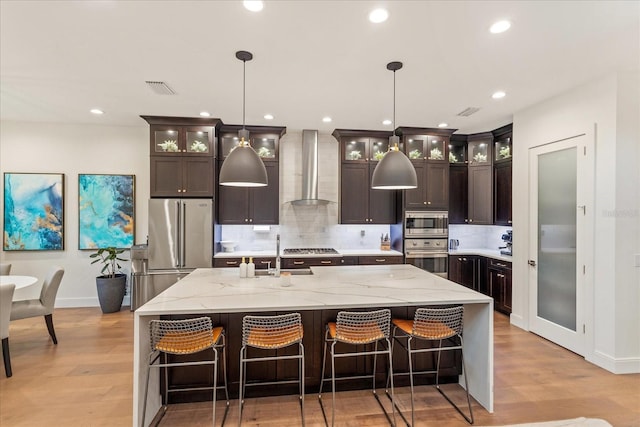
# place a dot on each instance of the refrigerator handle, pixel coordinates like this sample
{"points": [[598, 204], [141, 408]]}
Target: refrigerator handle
{"points": [[176, 235], [183, 227]]}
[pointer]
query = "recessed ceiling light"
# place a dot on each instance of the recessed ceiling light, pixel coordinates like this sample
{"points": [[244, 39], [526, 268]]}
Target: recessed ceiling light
{"points": [[326, 119], [499, 94], [378, 15], [268, 116], [386, 122], [500, 27], [96, 111], [205, 114], [443, 125], [253, 5]]}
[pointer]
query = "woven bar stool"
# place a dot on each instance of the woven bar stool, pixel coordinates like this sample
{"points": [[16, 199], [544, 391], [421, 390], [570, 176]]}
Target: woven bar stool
{"points": [[186, 337], [271, 333], [357, 328], [433, 324]]}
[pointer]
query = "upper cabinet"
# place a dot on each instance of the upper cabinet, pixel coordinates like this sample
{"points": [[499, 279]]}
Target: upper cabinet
{"points": [[256, 205], [458, 180], [181, 156], [428, 150], [360, 151], [502, 172], [480, 188]]}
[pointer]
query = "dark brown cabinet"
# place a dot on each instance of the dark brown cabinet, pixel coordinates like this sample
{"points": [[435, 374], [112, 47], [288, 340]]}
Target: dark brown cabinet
{"points": [[261, 263], [458, 194], [310, 262], [502, 173], [480, 188], [428, 150], [499, 275], [181, 156], [256, 205], [469, 271], [380, 259], [360, 152]]}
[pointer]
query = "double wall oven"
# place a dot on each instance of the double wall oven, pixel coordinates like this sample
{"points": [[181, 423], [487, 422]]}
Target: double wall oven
{"points": [[425, 240]]}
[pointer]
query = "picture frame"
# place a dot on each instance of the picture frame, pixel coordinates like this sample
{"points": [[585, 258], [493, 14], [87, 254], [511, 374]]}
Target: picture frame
{"points": [[106, 211], [33, 214]]}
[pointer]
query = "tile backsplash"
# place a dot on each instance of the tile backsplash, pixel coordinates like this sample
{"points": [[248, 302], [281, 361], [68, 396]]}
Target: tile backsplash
{"points": [[307, 226], [478, 236]]}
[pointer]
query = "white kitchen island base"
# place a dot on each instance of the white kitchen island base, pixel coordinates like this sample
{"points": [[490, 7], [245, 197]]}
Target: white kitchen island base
{"points": [[209, 291]]}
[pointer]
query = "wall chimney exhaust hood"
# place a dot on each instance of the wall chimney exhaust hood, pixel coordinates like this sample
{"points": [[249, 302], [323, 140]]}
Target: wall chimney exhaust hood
{"points": [[309, 171]]}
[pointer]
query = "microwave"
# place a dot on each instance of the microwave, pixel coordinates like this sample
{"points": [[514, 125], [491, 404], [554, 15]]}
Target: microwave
{"points": [[426, 224]]}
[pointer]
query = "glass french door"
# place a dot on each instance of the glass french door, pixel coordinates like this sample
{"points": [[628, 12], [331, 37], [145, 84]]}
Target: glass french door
{"points": [[560, 211]]}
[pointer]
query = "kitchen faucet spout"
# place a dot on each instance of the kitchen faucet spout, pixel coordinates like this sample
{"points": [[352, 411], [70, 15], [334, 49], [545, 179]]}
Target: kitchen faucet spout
{"points": [[277, 266]]}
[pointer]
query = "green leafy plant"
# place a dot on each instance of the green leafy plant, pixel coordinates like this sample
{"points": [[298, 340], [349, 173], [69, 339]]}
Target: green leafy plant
{"points": [[109, 258]]}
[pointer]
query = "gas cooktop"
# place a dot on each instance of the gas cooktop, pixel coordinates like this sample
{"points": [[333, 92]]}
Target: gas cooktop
{"points": [[311, 251]]}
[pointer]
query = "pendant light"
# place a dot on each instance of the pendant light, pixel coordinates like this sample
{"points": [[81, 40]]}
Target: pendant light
{"points": [[243, 167], [394, 171]]}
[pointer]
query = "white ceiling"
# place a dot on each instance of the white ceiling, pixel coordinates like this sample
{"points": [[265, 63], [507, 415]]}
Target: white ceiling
{"points": [[59, 59]]}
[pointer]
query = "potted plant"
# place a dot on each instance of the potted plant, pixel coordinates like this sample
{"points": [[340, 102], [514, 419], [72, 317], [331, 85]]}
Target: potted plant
{"points": [[111, 284]]}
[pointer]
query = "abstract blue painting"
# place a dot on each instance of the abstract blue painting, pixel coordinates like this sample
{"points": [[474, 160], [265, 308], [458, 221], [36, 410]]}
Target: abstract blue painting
{"points": [[106, 214], [33, 212]]}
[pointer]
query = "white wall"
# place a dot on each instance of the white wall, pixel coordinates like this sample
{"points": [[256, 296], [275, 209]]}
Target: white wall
{"points": [[72, 150], [607, 111]]}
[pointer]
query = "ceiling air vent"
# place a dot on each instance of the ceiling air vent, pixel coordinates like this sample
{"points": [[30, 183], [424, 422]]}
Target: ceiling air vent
{"points": [[468, 111], [160, 88]]}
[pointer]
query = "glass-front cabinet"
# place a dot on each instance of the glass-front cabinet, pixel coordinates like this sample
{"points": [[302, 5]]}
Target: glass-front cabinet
{"points": [[457, 153], [265, 144], [172, 140], [363, 149], [502, 149], [479, 153], [426, 147]]}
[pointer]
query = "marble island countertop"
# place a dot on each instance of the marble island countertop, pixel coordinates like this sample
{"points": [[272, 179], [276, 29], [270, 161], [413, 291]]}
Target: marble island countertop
{"points": [[220, 290]]}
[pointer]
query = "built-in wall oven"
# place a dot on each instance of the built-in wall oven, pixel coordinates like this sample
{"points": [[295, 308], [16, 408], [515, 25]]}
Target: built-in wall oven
{"points": [[426, 241]]}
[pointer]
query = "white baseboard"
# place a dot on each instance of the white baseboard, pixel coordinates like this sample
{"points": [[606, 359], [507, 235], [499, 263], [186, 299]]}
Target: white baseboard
{"points": [[621, 365], [84, 302], [517, 320]]}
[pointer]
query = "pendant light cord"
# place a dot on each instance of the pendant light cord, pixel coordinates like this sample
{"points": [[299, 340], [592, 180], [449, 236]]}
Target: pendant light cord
{"points": [[394, 102], [244, 84]]}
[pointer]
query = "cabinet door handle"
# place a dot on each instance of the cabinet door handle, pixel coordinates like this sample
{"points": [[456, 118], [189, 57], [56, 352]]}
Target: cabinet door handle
{"points": [[179, 190], [380, 259], [424, 203], [428, 203], [500, 275], [500, 265], [325, 262], [251, 220], [265, 262], [298, 262], [470, 220], [459, 259], [232, 262]]}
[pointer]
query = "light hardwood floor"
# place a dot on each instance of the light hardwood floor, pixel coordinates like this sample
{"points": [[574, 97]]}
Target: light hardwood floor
{"points": [[86, 380]]}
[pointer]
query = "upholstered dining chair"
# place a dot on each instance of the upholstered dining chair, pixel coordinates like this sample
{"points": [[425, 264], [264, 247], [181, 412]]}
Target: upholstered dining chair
{"points": [[42, 306], [6, 295], [5, 269]]}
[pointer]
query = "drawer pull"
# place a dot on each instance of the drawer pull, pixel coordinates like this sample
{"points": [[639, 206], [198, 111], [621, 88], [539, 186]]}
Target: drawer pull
{"points": [[325, 262], [500, 265], [232, 262], [265, 262], [298, 262], [381, 259]]}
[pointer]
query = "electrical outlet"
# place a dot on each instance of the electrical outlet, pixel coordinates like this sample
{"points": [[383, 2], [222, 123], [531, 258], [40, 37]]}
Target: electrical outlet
{"points": [[361, 233]]}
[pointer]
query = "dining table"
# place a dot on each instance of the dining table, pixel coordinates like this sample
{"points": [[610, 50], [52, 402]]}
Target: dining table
{"points": [[21, 282]]}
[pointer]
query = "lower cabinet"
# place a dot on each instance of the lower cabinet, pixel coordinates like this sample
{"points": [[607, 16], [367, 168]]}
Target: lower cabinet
{"points": [[499, 275], [486, 275], [260, 262], [310, 262]]}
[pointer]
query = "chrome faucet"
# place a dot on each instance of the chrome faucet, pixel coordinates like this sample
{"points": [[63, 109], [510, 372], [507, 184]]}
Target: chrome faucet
{"points": [[277, 266]]}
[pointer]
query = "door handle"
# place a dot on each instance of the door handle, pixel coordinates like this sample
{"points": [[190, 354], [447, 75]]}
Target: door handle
{"points": [[532, 263]]}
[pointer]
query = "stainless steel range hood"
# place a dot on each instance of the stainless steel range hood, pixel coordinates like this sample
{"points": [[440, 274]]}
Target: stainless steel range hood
{"points": [[309, 195]]}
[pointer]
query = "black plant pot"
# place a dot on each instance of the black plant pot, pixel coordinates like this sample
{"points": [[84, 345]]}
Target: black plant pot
{"points": [[111, 292]]}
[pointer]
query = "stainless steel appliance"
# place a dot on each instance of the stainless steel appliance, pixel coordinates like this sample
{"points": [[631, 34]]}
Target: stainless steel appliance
{"points": [[426, 224], [180, 240], [428, 254]]}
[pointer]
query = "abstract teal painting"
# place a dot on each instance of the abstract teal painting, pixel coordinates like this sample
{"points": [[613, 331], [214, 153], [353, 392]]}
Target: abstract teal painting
{"points": [[106, 211], [33, 212]]}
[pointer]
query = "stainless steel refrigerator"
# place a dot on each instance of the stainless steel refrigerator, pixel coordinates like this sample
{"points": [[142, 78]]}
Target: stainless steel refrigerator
{"points": [[180, 240]]}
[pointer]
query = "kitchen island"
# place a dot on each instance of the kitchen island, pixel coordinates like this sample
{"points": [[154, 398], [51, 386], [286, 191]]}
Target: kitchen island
{"points": [[211, 291]]}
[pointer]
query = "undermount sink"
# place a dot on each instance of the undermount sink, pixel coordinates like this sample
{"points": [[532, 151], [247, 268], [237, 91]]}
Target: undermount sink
{"points": [[293, 272]]}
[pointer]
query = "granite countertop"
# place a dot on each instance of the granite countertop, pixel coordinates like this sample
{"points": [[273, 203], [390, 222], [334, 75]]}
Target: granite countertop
{"points": [[220, 290], [345, 252], [491, 253]]}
